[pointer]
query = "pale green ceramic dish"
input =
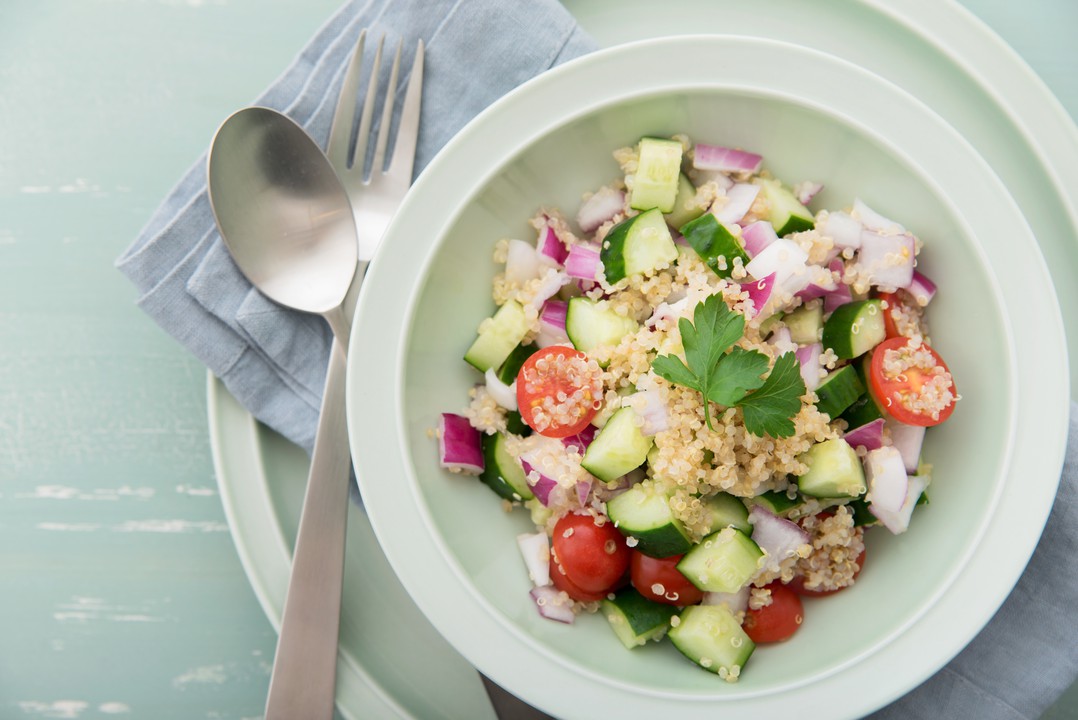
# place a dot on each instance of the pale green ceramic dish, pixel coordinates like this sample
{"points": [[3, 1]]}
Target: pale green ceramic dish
{"points": [[922, 596]]}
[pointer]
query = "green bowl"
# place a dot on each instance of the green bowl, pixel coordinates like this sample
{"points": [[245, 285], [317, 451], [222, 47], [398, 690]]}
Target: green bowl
{"points": [[922, 595]]}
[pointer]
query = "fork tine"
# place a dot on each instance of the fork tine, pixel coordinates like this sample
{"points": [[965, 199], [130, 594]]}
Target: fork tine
{"points": [[364, 130], [387, 114], [403, 159], [337, 148]]}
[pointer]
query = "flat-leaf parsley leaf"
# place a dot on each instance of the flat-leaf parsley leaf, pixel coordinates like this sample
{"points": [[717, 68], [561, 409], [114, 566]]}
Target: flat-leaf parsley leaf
{"points": [[732, 376]]}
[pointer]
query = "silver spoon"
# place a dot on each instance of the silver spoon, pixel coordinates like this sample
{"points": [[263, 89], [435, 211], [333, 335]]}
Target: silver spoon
{"points": [[287, 221]]}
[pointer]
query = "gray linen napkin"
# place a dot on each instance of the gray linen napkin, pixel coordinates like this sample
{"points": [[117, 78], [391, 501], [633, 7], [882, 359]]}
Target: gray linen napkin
{"points": [[273, 360]]}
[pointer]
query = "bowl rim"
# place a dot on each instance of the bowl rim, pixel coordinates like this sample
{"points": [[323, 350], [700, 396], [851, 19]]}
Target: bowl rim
{"points": [[597, 63]]}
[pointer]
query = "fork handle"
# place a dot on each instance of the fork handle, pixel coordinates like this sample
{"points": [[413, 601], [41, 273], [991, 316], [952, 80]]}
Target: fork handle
{"points": [[305, 667]]}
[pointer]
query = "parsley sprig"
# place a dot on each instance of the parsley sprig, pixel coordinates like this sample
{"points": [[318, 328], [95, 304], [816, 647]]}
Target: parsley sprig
{"points": [[733, 376]]}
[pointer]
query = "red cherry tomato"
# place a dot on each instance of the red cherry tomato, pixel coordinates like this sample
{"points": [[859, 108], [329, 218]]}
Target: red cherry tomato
{"points": [[798, 583], [779, 620], [559, 390], [912, 385], [659, 579], [900, 303], [562, 582], [592, 557]]}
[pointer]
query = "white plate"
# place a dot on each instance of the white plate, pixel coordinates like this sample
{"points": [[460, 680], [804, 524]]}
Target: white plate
{"points": [[455, 570], [1013, 127]]}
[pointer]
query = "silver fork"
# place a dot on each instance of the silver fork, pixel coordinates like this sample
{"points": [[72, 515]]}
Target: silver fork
{"points": [[303, 683]]}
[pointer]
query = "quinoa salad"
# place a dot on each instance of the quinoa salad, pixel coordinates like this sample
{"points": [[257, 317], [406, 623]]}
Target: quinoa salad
{"points": [[704, 394]]}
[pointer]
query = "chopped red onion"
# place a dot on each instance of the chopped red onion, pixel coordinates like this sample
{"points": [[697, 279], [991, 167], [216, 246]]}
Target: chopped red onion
{"points": [[805, 191], [549, 286], [649, 406], [535, 549], [869, 436], [840, 296], [552, 324], [922, 289], [898, 521], [887, 260], [886, 479], [907, 439], [715, 157], [758, 235], [739, 198], [809, 357], [544, 486], [778, 537], [583, 489], [736, 601], [783, 258], [582, 439], [550, 245], [553, 604], [583, 262], [781, 340], [843, 229], [459, 444], [873, 220], [504, 395], [821, 282], [599, 208], [666, 311], [759, 292]]}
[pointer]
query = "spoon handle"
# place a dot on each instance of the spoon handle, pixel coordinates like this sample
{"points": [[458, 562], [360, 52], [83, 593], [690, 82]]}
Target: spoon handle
{"points": [[305, 667]]}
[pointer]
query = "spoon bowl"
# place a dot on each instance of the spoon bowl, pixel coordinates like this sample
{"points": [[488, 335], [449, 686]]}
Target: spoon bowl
{"points": [[283, 213]]}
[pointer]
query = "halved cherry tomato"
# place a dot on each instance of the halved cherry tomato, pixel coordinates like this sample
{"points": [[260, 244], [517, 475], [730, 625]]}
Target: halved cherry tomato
{"points": [[562, 582], [779, 620], [559, 390], [592, 558], [798, 583], [659, 579], [911, 393]]}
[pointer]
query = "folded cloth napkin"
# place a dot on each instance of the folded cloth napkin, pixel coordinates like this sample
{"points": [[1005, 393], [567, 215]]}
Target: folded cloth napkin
{"points": [[273, 360]]}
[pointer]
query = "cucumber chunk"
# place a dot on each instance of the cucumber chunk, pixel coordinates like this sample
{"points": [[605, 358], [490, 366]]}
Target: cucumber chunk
{"points": [[507, 373], [722, 562], [635, 619], [645, 514], [685, 206], [838, 391], [854, 328], [711, 637], [834, 471], [786, 214], [618, 448], [502, 472], [728, 511], [636, 246], [655, 184], [805, 323], [590, 325], [862, 411], [779, 503], [712, 241], [498, 336]]}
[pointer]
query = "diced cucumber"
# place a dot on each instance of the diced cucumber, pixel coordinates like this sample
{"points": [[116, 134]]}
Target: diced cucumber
{"points": [[722, 561], [685, 206], [644, 513], [805, 323], [854, 328], [778, 503], [655, 184], [863, 411], [637, 245], [712, 241], [635, 619], [711, 637], [498, 337], [618, 448], [834, 471], [509, 369], [786, 214], [838, 391], [515, 424], [590, 325], [502, 472], [862, 516], [728, 511]]}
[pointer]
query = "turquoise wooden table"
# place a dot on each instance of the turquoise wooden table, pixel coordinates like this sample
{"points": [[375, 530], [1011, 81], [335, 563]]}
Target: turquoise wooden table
{"points": [[122, 594]]}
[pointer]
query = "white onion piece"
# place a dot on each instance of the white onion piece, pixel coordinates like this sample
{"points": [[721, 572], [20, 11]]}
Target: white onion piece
{"points": [[535, 549], [783, 257], [907, 439], [649, 407], [583, 262], [782, 341], [886, 478], [459, 444], [739, 198], [504, 395], [805, 191], [523, 262], [843, 229], [887, 260], [549, 285], [758, 235], [550, 245], [869, 436], [922, 289], [778, 537], [667, 311], [809, 357], [873, 220], [553, 604], [599, 208], [735, 602], [899, 521], [715, 157], [759, 292], [583, 489]]}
